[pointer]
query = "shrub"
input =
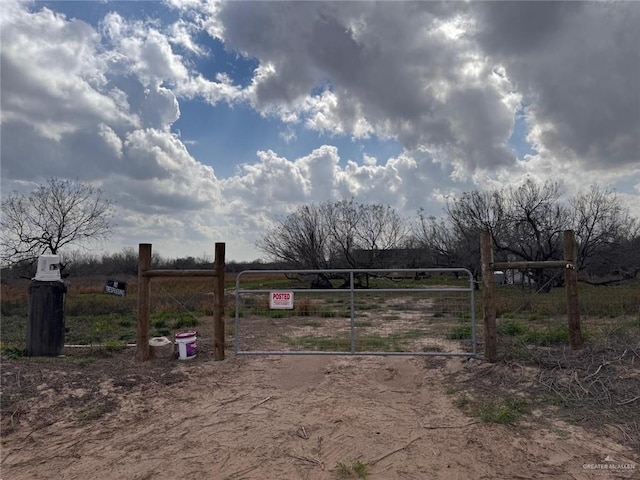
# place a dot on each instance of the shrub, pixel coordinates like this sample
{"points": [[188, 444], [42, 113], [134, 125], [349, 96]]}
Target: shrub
{"points": [[186, 321], [460, 332], [507, 412], [510, 328]]}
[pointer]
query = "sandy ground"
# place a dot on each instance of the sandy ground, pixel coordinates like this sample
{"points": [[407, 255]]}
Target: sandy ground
{"points": [[300, 417]]}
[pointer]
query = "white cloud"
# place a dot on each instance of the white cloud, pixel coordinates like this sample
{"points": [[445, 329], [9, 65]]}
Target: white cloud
{"points": [[181, 33], [111, 140], [393, 72], [73, 108], [273, 180], [143, 51], [53, 74], [446, 80], [212, 92], [278, 184]]}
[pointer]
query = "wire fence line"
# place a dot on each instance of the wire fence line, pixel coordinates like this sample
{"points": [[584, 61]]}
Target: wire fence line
{"points": [[530, 316]]}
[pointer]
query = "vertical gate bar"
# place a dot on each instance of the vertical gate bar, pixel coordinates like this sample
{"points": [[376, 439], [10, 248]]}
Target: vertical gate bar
{"points": [[353, 315]]}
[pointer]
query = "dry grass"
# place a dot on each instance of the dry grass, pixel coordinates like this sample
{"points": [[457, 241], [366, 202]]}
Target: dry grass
{"points": [[596, 387]]}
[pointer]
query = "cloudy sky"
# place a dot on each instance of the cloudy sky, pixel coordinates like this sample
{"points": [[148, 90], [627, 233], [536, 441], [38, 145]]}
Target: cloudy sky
{"points": [[206, 120]]}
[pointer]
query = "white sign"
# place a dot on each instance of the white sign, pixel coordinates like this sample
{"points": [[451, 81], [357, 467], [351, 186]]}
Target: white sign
{"points": [[115, 287], [281, 300]]}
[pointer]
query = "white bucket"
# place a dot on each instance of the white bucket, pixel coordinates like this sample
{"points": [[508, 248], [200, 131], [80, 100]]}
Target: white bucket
{"points": [[48, 268], [186, 345]]}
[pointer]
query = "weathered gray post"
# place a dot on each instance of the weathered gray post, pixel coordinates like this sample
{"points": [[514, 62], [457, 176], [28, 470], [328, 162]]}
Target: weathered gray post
{"points": [[488, 299], [571, 287]]}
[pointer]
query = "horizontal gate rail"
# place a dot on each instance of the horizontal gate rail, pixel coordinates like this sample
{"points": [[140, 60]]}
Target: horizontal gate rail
{"points": [[350, 290]]}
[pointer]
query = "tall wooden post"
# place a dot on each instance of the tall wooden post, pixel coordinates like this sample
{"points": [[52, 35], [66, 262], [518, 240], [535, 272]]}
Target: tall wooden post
{"points": [[218, 303], [144, 263], [571, 287], [488, 298]]}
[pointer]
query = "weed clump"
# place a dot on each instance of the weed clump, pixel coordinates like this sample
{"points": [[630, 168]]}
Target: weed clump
{"points": [[356, 469]]}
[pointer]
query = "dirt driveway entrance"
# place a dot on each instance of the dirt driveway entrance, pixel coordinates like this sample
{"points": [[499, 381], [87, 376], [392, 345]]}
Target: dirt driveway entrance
{"points": [[312, 417]]}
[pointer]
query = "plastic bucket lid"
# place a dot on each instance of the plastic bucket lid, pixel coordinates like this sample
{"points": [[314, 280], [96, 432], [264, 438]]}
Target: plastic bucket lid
{"points": [[185, 334]]}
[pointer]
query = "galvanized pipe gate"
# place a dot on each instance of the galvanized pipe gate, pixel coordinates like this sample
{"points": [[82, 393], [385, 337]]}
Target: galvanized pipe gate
{"points": [[373, 312]]}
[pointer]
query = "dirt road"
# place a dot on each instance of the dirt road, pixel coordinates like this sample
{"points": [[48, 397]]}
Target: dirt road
{"points": [[311, 417]]}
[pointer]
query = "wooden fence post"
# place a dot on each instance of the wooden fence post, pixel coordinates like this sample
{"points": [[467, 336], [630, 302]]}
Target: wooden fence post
{"points": [[144, 263], [571, 287], [218, 303], [488, 298]]}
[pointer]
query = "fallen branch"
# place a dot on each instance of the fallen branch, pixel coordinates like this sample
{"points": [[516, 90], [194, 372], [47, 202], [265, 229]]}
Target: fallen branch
{"points": [[575, 378], [240, 472], [450, 426], [596, 372], [372, 463], [231, 400], [261, 402], [307, 458], [631, 400], [626, 435]]}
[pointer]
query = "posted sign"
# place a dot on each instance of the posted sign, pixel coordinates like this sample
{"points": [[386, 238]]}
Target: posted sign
{"points": [[115, 287], [281, 300]]}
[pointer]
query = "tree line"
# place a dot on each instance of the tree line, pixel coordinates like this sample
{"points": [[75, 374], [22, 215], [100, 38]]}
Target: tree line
{"points": [[124, 264], [526, 223]]}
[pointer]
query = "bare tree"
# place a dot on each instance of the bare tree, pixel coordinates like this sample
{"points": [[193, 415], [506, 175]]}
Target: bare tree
{"points": [[604, 228], [380, 231], [57, 214], [525, 223], [301, 239], [437, 237], [468, 217], [342, 219], [335, 234], [535, 219]]}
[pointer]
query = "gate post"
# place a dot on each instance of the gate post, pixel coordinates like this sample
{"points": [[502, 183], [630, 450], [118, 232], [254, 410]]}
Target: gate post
{"points": [[488, 298], [144, 298], [571, 287], [218, 303]]}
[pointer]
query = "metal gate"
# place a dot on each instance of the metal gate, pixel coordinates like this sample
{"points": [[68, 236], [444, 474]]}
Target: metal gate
{"points": [[355, 312]]}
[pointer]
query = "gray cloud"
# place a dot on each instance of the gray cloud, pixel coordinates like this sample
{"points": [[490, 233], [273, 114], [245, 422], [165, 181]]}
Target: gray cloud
{"points": [[578, 67], [520, 28], [404, 70], [388, 64]]}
